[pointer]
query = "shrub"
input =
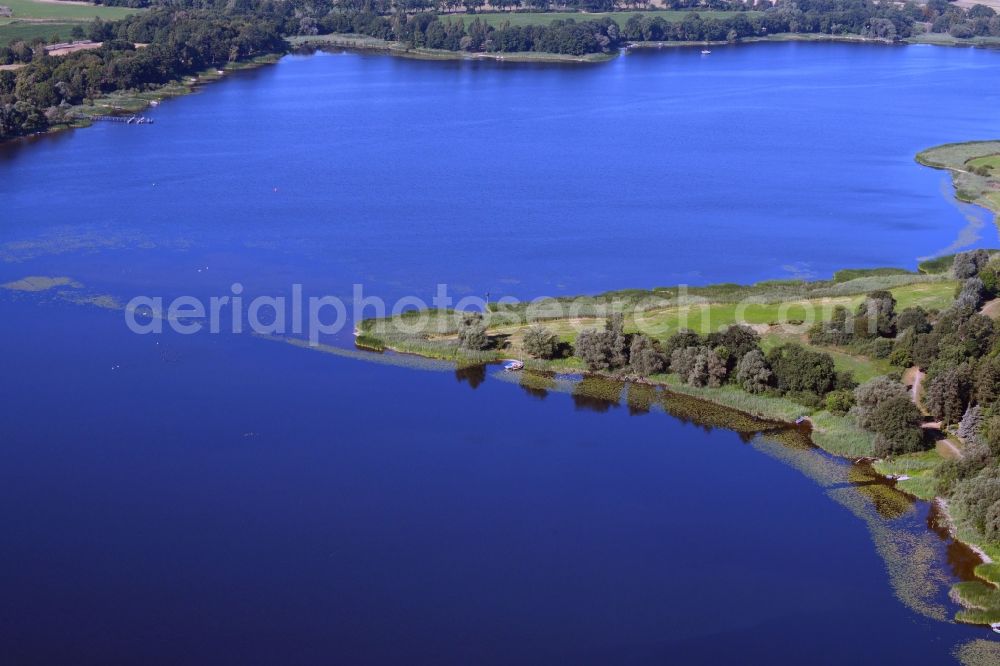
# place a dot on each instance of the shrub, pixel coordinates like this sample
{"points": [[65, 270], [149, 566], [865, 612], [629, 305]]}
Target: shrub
{"points": [[540, 342], [880, 348], [839, 401], [472, 332]]}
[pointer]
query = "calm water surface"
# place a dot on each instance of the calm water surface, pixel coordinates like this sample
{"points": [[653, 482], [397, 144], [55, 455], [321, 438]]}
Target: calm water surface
{"points": [[225, 499]]}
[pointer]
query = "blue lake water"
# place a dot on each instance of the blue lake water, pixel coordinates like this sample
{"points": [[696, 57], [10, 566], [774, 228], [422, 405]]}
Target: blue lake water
{"points": [[206, 499]]}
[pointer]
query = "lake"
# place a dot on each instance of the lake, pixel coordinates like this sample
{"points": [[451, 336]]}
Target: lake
{"points": [[226, 498]]}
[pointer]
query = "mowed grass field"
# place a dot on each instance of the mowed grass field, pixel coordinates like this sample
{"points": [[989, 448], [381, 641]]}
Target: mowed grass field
{"points": [[24, 9], [544, 18], [25, 32], [51, 19], [709, 317]]}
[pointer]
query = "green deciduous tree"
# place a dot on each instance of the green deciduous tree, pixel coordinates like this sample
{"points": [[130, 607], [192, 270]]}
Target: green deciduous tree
{"points": [[644, 358], [472, 332], [540, 342], [896, 423], [752, 372]]}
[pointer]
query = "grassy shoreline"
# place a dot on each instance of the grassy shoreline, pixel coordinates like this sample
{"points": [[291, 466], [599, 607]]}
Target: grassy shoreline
{"points": [[769, 307]]}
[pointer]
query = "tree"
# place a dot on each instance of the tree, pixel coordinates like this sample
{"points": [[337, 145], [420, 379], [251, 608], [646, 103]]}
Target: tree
{"points": [[682, 362], [971, 294], [873, 393], [752, 372], [591, 348], [876, 315], [472, 332], [540, 342], [968, 428], [715, 368], [990, 275], [987, 381], [896, 423], [737, 341], [644, 358], [797, 369], [948, 393], [915, 318], [968, 264], [682, 339], [614, 329]]}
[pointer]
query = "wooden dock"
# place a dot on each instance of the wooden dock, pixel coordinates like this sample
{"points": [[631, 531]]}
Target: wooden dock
{"points": [[128, 120]]}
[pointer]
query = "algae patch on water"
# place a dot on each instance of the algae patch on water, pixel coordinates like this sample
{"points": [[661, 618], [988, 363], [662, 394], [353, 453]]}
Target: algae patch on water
{"points": [[978, 653], [40, 283]]}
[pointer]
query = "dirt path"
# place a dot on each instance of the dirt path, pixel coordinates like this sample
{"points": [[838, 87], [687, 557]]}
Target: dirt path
{"points": [[948, 449], [914, 377], [991, 308]]}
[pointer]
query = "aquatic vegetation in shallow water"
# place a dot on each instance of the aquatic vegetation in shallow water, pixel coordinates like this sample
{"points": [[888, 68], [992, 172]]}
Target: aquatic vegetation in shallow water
{"points": [[978, 653], [40, 283], [910, 552]]}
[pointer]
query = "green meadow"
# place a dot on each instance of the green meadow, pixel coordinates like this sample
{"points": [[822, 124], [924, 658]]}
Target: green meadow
{"points": [[48, 20]]}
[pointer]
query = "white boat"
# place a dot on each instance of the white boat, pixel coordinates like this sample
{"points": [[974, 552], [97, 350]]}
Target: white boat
{"points": [[705, 51], [513, 365]]}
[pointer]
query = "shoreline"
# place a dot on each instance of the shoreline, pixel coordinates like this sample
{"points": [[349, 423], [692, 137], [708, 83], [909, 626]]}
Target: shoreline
{"points": [[134, 101]]}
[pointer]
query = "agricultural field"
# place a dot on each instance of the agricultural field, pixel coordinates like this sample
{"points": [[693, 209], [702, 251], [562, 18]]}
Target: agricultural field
{"points": [[49, 19]]}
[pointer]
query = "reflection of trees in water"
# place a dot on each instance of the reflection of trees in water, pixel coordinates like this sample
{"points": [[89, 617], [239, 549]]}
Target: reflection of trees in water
{"points": [[474, 375], [961, 559], [709, 416], [537, 384], [597, 394], [640, 398], [883, 496]]}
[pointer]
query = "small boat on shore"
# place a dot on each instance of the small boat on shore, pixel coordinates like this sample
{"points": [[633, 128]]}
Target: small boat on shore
{"points": [[513, 365]]}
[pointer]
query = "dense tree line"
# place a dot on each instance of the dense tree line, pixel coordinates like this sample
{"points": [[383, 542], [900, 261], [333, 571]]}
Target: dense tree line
{"points": [[731, 356], [178, 43]]}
